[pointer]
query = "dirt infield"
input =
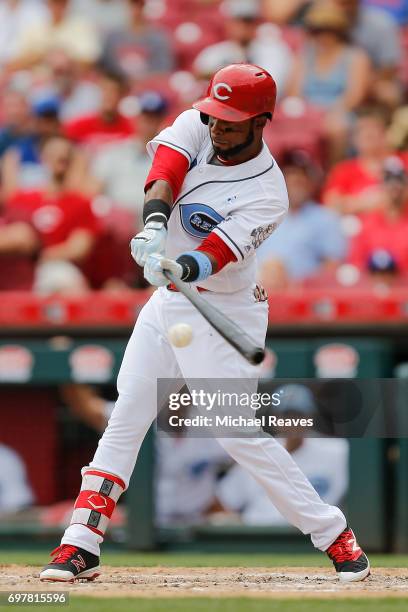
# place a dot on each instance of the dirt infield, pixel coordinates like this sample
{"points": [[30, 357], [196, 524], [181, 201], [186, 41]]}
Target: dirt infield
{"points": [[214, 582]]}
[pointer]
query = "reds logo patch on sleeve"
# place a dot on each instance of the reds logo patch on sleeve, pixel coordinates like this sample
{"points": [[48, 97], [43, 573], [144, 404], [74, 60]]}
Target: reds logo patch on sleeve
{"points": [[199, 219]]}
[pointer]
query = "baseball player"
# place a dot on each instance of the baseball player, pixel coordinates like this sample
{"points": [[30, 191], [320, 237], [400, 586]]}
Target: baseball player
{"points": [[213, 195]]}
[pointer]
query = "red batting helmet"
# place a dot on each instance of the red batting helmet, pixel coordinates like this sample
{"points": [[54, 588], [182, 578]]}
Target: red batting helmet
{"points": [[239, 92]]}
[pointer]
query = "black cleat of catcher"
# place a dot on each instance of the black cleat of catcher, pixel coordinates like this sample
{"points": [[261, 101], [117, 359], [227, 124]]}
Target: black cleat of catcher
{"points": [[71, 563]]}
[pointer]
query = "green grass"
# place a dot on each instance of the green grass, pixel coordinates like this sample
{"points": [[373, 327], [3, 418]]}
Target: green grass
{"points": [[182, 559], [230, 605]]}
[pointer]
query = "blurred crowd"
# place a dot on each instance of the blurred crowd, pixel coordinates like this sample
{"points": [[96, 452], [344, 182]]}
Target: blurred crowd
{"points": [[85, 84]]}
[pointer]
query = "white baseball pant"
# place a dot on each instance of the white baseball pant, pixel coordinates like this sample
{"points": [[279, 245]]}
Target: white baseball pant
{"points": [[150, 356]]}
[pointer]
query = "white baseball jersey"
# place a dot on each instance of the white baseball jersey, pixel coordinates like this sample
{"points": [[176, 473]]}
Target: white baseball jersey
{"points": [[242, 204]]}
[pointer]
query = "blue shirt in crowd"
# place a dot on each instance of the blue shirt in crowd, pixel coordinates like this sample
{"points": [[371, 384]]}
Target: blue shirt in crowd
{"points": [[398, 9], [307, 237]]}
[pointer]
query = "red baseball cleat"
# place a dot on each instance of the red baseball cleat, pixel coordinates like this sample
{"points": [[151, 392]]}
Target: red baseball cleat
{"points": [[350, 561], [69, 564]]}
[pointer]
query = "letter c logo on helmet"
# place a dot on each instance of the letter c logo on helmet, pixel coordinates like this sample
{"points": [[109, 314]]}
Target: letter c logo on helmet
{"points": [[238, 92], [216, 90]]}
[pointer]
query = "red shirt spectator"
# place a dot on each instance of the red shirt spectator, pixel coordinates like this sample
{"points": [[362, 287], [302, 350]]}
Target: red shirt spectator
{"points": [[355, 186], [352, 177], [95, 129], [56, 217], [380, 232], [108, 124], [384, 232], [64, 220]]}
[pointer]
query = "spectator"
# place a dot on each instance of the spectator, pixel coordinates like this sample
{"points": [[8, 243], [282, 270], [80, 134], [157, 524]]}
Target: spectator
{"points": [[121, 169], [105, 15], [330, 73], [355, 185], [140, 49], [366, 27], [108, 123], [309, 238], [16, 17], [64, 220], [397, 9], [72, 33], [15, 491], [245, 44], [377, 33], [381, 245], [16, 123], [286, 11], [22, 168], [78, 96], [369, 27], [239, 492], [398, 132]]}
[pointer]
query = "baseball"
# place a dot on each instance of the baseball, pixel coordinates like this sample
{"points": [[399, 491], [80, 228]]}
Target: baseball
{"points": [[180, 334]]}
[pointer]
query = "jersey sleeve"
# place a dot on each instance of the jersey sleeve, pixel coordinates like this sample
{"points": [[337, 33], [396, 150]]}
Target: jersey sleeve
{"points": [[246, 228], [186, 135]]}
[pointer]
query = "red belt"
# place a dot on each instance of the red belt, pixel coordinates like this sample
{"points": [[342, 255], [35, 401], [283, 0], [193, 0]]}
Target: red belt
{"points": [[172, 287]]}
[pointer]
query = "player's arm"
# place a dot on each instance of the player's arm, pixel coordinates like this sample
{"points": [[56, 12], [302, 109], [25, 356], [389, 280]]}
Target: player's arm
{"points": [[234, 239], [173, 151], [209, 258], [193, 266], [163, 184], [162, 187]]}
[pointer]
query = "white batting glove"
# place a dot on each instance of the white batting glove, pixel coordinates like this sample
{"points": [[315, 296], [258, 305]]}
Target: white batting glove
{"points": [[151, 240], [154, 266]]}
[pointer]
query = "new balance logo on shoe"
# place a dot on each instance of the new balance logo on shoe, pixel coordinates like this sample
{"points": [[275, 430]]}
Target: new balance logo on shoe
{"points": [[79, 563]]}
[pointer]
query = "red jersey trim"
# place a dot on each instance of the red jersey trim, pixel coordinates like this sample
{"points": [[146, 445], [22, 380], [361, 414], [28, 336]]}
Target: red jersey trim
{"points": [[170, 166], [215, 246]]}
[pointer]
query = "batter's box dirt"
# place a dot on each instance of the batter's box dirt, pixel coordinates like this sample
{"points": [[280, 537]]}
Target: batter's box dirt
{"points": [[214, 582]]}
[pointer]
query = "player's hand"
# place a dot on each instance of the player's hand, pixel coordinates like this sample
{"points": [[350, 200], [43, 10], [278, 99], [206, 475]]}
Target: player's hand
{"points": [[151, 240], [154, 266]]}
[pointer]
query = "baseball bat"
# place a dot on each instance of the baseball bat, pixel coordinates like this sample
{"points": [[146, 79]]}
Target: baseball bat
{"points": [[229, 330]]}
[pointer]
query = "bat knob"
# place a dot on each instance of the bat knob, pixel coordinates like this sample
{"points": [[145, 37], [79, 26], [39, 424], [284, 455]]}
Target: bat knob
{"points": [[258, 356]]}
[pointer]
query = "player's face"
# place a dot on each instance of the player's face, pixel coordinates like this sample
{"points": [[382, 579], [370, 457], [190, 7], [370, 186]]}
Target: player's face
{"points": [[230, 139]]}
